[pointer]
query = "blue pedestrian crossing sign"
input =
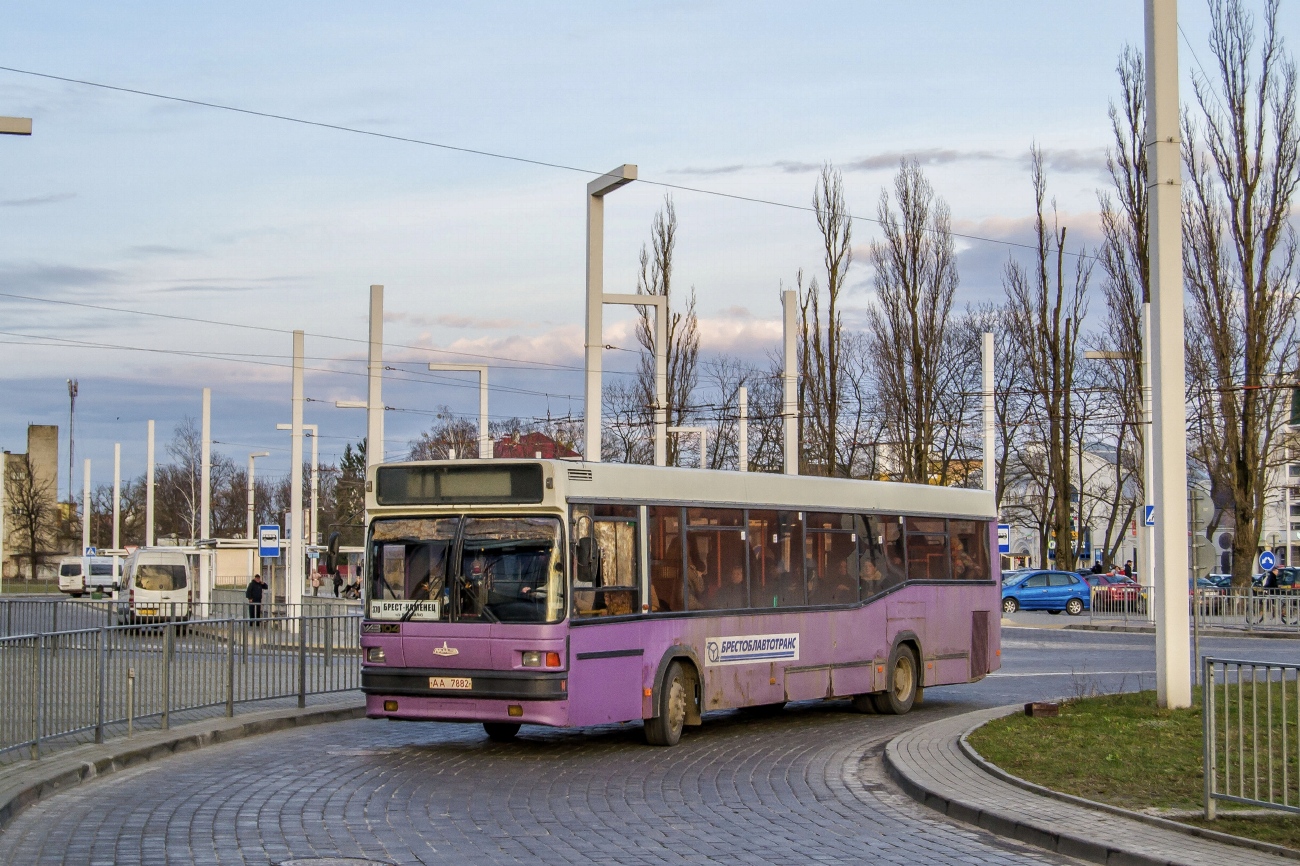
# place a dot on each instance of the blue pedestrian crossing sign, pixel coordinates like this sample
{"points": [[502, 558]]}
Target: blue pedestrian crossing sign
{"points": [[268, 540], [1267, 560], [90, 551], [1151, 515]]}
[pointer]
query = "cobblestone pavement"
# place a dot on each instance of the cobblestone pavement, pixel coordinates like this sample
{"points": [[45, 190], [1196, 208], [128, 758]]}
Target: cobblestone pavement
{"points": [[802, 786]]}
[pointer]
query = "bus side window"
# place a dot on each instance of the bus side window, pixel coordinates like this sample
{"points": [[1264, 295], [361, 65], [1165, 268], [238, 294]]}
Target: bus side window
{"points": [[666, 556], [776, 559], [970, 549], [606, 578], [832, 559], [881, 547], [927, 548]]}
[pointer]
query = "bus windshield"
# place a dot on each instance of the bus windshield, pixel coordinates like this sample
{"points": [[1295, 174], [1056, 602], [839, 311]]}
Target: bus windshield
{"points": [[472, 569]]}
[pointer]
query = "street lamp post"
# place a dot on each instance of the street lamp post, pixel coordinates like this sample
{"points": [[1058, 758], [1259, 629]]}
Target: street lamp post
{"points": [[703, 433], [484, 437], [313, 431], [596, 192], [252, 513], [15, 126], [1169, 430]]}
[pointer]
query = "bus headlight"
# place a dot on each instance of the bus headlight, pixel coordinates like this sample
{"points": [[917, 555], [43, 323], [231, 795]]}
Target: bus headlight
{"points": [[375, 654], [532, 659]]}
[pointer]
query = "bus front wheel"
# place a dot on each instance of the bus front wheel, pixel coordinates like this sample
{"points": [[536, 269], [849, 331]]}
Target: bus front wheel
{"points": [[666, 728], [501, 732], [900, 693]]}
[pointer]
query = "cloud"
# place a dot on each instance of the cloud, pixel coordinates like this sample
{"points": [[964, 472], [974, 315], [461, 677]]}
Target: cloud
{"points": [[451, 320], [144, 250], [50, 198], [1067, 160], [39, 277]]}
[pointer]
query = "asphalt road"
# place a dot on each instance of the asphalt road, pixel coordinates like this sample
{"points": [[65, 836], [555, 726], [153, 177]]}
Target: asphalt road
{"points": [[802, 786]]}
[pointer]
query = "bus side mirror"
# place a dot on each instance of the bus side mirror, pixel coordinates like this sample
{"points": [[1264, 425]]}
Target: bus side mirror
{"points": [[586, 559]]}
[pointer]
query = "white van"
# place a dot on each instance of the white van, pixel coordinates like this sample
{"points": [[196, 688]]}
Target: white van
{"points": [[72, 579], [158, 586]]}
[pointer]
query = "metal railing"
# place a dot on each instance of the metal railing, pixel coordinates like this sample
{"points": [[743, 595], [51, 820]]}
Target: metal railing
{"points": [[30, 616], [1251, 717], [1248, 609], [62, 687]]}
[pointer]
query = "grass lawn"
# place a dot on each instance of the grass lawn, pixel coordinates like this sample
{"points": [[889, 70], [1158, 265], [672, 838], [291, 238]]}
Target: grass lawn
{"points": [[1122, 750], [27, 587]]}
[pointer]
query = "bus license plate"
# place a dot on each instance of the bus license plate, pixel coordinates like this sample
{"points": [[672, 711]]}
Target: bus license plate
{"points": [[452, 683]]}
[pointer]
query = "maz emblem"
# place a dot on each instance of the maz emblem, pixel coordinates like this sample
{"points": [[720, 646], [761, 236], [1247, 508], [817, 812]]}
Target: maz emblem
{"points": [[445, 650]]}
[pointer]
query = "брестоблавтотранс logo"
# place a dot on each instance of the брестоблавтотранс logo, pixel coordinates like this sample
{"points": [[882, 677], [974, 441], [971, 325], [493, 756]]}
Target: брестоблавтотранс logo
{"points": [[746, 649]]}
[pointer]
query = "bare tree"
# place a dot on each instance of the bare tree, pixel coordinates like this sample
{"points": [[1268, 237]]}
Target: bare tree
{"points": [[909, 327], [625, 436], [1125, 286], [31, 511], [822, 343], [656, 278], [1242, 162], [449, 432], [1047, 308]]}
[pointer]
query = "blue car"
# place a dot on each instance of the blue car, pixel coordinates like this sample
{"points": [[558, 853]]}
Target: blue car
{"points": [[1052, 591]]}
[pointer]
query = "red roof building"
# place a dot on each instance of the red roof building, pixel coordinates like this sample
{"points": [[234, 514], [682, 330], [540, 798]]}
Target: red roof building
{"points": [[530, 446]]}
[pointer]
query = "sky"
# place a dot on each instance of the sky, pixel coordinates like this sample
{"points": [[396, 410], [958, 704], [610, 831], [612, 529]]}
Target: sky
{"points": [[243, 228]]}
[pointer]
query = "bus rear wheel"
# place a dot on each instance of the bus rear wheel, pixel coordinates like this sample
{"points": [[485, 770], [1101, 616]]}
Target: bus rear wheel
{"points": [[666, 728], [501, 732], [900, 694]]}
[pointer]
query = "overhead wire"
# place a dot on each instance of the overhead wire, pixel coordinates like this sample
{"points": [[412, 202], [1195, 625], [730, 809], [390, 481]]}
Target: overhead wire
{"points": [[354, 130]]}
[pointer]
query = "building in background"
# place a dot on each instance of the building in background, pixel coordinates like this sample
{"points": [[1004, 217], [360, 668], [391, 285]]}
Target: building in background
{"points": [[32, 507]]}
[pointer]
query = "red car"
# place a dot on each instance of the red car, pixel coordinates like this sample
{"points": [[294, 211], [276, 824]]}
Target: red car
{"points": [[1116, 591]]}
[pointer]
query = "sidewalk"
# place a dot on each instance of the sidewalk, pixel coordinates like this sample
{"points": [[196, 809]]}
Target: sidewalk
{"points": [[931, 765], [23, 785]]}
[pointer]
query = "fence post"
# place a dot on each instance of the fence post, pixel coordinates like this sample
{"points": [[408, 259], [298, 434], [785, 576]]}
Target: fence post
{"points": [[302, 662], [1250, 609], [130, 701], [1209, 757], [103, 682], [38, 662], [329, 641], [167, 676], [230, 671]]}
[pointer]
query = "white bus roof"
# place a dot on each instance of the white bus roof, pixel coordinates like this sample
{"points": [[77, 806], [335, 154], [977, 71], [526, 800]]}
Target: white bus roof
{"points": [[622, 482]]}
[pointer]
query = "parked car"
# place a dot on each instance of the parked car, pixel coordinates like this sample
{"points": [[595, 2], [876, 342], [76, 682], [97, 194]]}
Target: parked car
{"points": [[1117, 591], [157, 587], [1052, 591]]}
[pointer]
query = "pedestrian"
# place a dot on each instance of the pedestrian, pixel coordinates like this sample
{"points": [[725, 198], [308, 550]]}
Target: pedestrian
{"points": [[315, 583], [338, 584], [254, 596], [1128, 568]]}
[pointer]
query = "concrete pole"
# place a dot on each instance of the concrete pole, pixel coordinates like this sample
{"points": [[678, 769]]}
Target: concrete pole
{"points": [[1146, 564], [660, 303], [789, 370], [315, 484], [205, 499], [990, 482], [294, 572], [375, 384], [596, 192], [1169, 433], [251, 511], [148, 489], [703, 433], [85, 512], [742, 432], [484, 438], [117, 495]]}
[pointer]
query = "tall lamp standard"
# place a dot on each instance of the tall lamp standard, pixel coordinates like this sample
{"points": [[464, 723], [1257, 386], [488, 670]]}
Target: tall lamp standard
{"points": [[313, 431], [252, 513], [596, 192], [72, 416], [484, 437]]}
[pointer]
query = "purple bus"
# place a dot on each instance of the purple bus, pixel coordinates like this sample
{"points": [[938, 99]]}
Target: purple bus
{"points": [[561, 593]]}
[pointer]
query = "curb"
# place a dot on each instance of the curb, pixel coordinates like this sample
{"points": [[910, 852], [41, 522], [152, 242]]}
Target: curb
{"points": [[1043, 835], [54, 775], [1146, 629]]}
